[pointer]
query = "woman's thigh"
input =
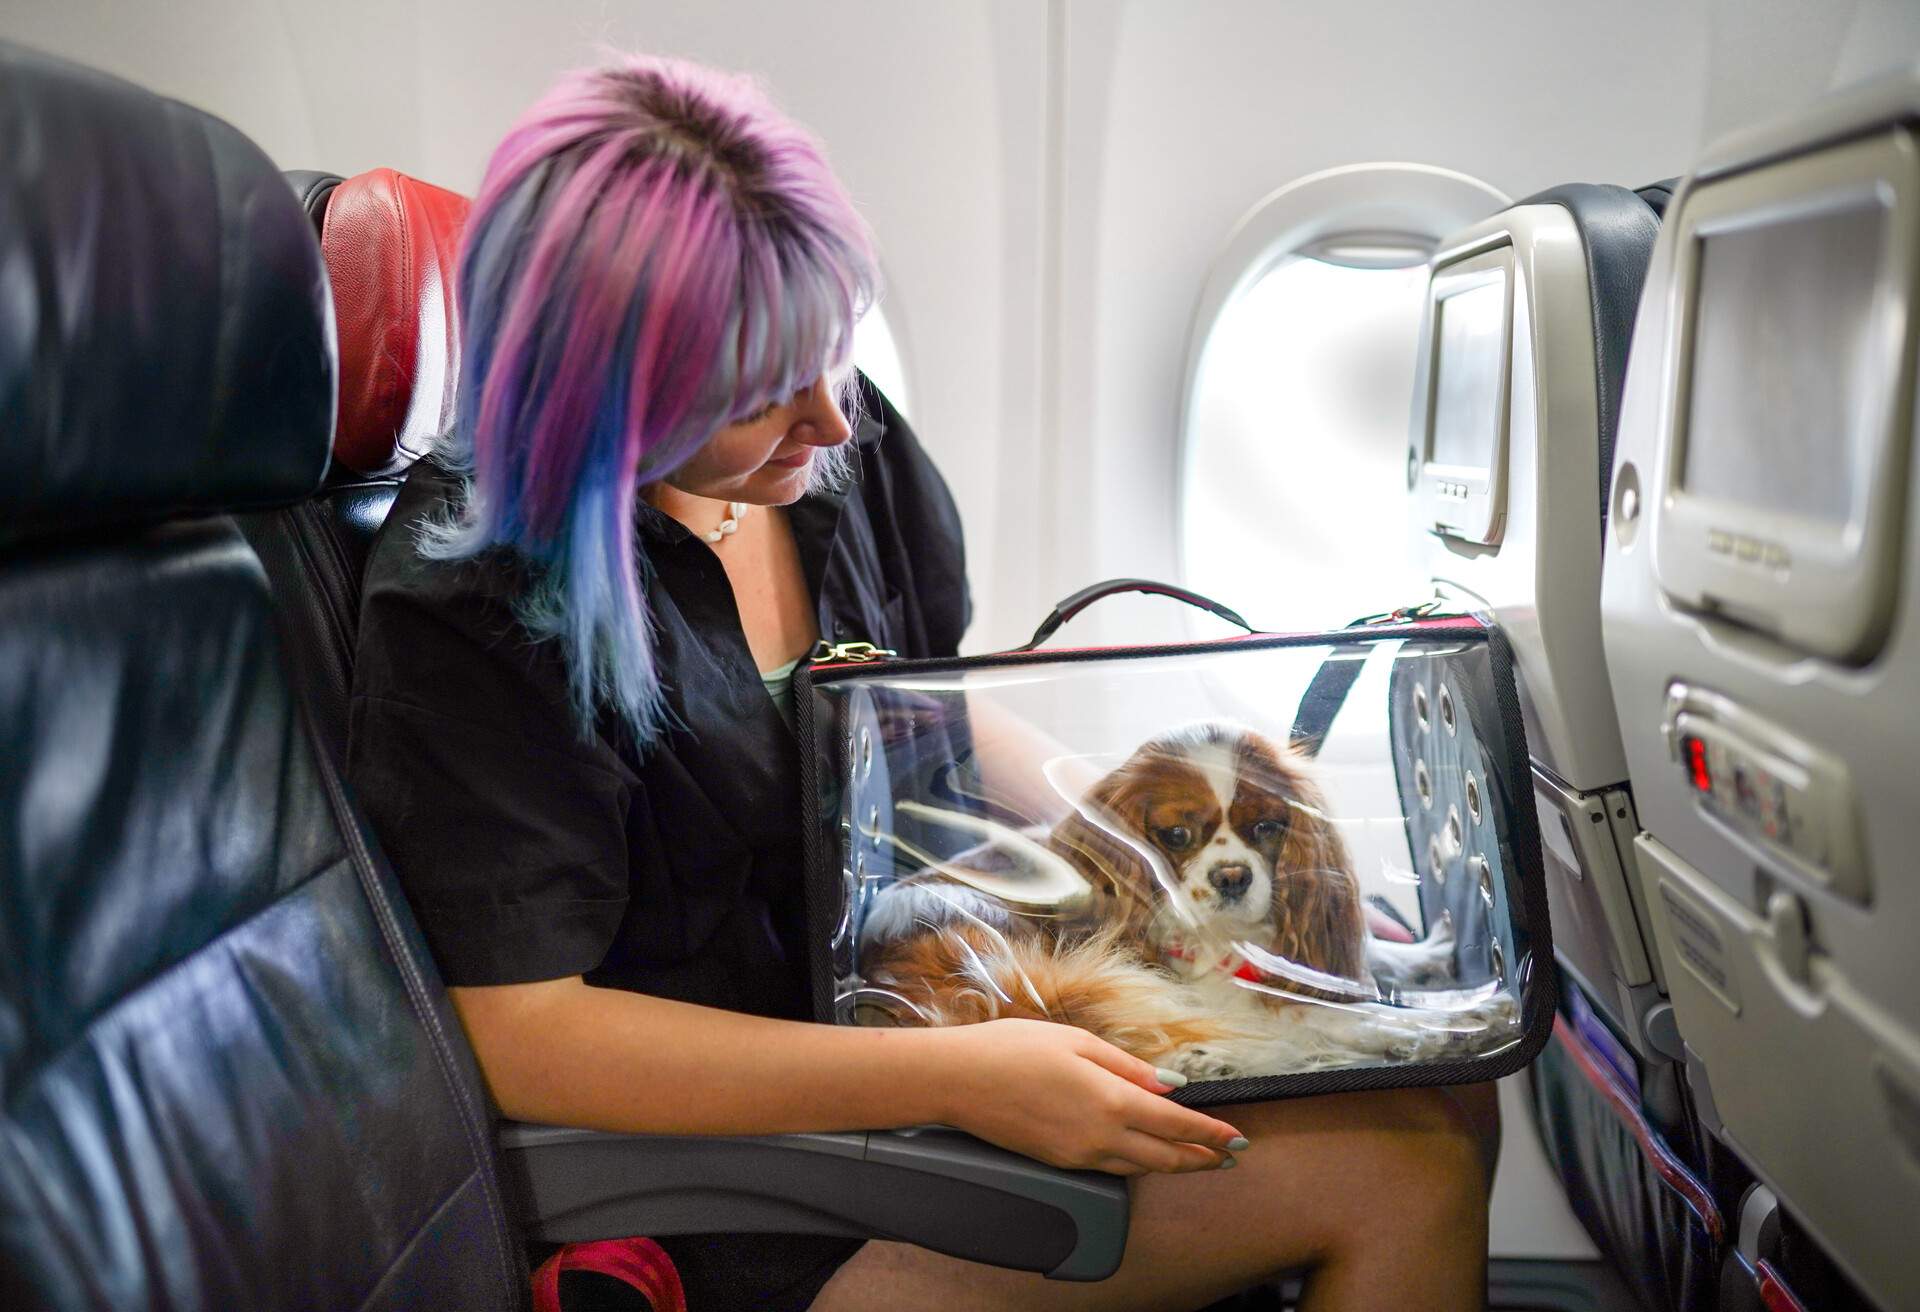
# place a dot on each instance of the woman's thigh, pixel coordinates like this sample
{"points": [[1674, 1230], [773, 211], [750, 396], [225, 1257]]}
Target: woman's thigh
{"points": [[1379, 1189]]}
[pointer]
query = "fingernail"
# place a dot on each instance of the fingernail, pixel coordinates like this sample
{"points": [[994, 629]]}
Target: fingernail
{"points": [[1238, 1144], [1227, 1164], [1173, 1079]]}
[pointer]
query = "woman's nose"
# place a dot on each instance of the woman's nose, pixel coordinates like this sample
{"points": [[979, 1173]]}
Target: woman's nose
{"points": [[818, 421]]}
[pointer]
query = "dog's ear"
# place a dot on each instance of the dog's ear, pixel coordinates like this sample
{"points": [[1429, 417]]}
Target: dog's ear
{"points": [[1103, 838], [1318, 917]]}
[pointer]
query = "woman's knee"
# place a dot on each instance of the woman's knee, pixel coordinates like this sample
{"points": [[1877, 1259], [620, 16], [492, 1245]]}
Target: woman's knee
{"points": [[1406, 1159]]}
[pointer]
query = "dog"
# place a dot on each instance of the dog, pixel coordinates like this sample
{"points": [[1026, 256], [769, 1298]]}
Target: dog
{"points": [[1220, 932]]}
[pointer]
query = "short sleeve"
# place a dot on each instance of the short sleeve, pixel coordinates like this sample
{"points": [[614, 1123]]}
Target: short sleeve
{"points": [[506, 828]]}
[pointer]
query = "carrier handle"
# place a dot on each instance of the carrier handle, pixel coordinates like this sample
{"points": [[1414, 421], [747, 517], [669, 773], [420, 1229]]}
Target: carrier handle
{"points": [[1084, 598]]}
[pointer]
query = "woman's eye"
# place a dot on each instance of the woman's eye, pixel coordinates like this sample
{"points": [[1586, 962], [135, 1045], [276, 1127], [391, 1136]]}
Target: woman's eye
{"points": [[1265, 831], [762, 413], [1175, 837]]}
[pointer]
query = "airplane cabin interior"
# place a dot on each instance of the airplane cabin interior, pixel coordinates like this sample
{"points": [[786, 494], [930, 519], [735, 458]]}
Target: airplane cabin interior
{"points": [[1355, 557]]}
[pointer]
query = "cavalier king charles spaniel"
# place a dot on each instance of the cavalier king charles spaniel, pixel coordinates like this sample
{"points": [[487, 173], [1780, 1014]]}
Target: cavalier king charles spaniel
{"points": [[1220, 933]]}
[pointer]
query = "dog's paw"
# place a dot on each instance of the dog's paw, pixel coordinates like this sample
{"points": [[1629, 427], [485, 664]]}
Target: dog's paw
{"points": [[1485, 1026], [1199, 1062]]}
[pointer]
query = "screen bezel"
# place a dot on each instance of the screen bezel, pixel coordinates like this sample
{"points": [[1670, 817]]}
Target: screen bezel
{"points": [[1464, 501], [1816, 585]]}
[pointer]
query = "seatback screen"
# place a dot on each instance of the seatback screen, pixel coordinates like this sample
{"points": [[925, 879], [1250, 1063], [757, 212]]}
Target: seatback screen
{"points": [[1466, 395], [1785, 385]]}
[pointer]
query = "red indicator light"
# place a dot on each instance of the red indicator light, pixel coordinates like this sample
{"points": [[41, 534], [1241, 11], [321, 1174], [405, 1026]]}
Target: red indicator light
{"points": [[1696, 752]]}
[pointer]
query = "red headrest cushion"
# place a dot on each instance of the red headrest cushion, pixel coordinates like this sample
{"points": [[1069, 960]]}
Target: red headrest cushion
{"points": [[391, 243]]}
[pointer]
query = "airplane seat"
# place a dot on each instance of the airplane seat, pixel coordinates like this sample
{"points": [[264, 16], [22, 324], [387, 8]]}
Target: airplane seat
{"points": [[1517, 390], [230, 1079], [390, 243], [1521, 370], [1761, 616], [231, 1075]]}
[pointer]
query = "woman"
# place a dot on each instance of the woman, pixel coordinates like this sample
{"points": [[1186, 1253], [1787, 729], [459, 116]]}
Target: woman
{"points": [[568, 728]]}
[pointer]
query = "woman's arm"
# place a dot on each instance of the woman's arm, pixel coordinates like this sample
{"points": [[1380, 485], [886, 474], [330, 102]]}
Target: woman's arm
{"points": [[1022, 766], [564, 1052]]}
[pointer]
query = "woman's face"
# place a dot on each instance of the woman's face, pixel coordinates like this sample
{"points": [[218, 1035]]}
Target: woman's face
{"points": [[767, 459]]}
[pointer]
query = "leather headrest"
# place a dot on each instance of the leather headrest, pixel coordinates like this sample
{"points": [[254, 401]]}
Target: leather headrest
{"points": [[166, 336], [392, 245]]}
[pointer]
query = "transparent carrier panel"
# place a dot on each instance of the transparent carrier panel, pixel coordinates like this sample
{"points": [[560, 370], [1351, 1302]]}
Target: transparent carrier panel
{"points": [[1239, 862]]}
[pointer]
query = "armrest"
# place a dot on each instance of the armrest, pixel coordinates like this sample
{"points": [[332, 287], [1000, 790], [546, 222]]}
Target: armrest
{"points": [[933, 1186]]}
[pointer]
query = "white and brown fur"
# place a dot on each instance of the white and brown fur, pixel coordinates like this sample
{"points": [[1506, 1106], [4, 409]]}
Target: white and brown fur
{"points": [[1209, 845]]}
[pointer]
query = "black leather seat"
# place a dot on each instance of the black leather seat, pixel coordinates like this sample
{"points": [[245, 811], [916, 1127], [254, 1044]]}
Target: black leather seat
{"points": [[230, 1078], [390, 243]]}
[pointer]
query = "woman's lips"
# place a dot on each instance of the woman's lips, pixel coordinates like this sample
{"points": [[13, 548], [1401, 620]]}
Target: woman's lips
{"points": [[794, 461]]}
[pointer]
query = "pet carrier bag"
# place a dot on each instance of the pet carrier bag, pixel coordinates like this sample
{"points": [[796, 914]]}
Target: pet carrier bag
{"points": [[1279, 864]]}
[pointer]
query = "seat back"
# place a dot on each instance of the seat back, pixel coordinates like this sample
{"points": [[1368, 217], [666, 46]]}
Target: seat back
{"points": [[1761, 608], [230, 1077], [1517, 396], [390, 243]]}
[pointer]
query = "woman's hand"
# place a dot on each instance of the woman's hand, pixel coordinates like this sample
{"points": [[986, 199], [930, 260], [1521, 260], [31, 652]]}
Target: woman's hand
{"points": [[1064, 1097]]}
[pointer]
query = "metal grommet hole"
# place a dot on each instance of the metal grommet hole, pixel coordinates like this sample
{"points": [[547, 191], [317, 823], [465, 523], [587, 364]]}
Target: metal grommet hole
{"points": [[866, 753], [1453, 830], [1483, 873], [1473, 797], [1420, 707], [1423, 785], [873, 819], [1437, 861], [1499, 959], [1446, 708]]}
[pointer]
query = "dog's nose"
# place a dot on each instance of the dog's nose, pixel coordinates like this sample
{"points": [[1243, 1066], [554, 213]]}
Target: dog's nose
{"points": [[1231, 881]]}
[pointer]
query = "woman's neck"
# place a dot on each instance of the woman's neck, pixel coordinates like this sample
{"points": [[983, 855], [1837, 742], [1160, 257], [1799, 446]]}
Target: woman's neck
{"points": [[699, 514]]}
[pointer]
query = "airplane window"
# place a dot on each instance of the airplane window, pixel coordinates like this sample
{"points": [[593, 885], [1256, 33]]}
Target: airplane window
{"points": [[877, 353], [1293, 493], [1296, 483]]}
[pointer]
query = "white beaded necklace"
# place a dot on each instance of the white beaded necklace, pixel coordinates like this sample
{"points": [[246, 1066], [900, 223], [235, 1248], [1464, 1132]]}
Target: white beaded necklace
{"points": [[736, 511]]}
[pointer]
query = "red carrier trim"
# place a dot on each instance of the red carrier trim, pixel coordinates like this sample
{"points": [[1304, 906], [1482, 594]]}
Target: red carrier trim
{"points": [[1672, 1171]]}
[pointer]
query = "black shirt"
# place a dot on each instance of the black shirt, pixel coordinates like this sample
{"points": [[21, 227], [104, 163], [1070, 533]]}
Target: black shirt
{"points": [[532, 851]]}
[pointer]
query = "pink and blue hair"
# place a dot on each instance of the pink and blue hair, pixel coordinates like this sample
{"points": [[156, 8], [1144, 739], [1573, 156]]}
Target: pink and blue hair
{"points": [[656, 252]]}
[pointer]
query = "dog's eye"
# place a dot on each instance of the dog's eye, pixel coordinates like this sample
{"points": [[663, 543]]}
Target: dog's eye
{"points": [[1265, 831], [1174, 837]]}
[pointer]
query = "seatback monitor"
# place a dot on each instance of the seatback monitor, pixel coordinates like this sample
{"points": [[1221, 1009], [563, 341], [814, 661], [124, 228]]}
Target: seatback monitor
{"points": [[1461, 396], [1466, 395], [1791, 396], [1784, 368]]}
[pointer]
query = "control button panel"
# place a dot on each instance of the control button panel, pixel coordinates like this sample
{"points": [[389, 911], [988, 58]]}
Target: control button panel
{"points": [[1752, 550], [1778, 794]]}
